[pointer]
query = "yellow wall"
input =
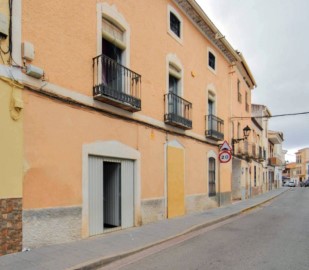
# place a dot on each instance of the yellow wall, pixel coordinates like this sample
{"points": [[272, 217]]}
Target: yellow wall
{"points": [[11, 155], [175, 182]]}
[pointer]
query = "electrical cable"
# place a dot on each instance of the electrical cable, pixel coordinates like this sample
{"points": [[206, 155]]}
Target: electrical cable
{"points": [[268, 117]]}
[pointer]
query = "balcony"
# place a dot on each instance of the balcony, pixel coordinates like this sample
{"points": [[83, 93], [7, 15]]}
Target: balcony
{"points": [[274, 161], [214, 128], [115, 84], [177, 111], [242, 149], [261, 154]]}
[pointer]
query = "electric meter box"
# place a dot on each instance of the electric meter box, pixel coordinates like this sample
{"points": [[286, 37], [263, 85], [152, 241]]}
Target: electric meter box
{"points": [[27, 50], [4, 25]]}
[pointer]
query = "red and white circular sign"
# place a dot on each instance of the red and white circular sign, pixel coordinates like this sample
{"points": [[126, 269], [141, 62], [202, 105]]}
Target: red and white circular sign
{"points": [[225, 156]]}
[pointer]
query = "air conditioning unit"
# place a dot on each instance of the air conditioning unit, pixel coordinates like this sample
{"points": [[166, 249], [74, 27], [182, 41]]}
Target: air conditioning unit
{"points": [[34, 71]]}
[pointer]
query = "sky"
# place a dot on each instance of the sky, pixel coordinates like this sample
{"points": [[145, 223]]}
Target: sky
{"points": [[273, 37]]}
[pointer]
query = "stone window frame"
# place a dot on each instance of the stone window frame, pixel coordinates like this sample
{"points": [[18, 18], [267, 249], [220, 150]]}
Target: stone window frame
{"points": [[111, 14], [172, 10], [175, 68]]}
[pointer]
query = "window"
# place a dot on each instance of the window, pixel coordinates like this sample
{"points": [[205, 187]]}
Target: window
{"points": [[112, 49], [211, 60], [212, 176], [238, 130], [247, 105], [175, 24], [112, 31], [112, 77], [255, 176], [173, 88], [174, 79], [211, 110], [238, 91]]}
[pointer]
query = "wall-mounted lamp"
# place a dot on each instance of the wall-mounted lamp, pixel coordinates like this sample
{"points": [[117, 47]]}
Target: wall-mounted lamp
{"points": [[246, 131]]}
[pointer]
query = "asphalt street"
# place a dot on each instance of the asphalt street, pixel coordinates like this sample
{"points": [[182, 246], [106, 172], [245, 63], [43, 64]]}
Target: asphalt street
{"points": [[274, 236]]}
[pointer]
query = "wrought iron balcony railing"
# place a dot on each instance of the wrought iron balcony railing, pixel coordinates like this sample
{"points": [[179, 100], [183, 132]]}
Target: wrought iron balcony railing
{"points": [[242, 149], [214, 127], [274, 161], [177, 111], [115, 84]]}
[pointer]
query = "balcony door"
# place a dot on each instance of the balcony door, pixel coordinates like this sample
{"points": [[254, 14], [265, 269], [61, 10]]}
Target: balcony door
{"points": [[211, 111], [173, 106], [111, 70]]}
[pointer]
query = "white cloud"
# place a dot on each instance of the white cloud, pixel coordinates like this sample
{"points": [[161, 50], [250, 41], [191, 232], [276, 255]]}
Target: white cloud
{"points": [[271, 34]]}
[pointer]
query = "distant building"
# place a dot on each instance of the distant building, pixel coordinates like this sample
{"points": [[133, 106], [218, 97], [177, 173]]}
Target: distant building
{"points": [[302, 162], [276, 158], [290, 171]]}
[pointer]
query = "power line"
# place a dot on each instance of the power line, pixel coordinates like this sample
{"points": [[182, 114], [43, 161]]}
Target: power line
{"points": [[272, 116]]}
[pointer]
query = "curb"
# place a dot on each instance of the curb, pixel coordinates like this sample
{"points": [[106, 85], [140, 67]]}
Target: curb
{"points": [[103, 261]]}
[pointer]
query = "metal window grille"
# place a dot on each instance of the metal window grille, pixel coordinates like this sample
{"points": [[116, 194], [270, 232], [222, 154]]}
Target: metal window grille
{"points": [[212, 177]]}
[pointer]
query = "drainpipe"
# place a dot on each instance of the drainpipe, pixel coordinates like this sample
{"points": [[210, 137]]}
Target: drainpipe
{"points": [[219, 187]]}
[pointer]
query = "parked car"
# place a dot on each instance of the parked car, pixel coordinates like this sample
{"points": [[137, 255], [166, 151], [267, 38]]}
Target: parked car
{"points": [[306, 184], [291, 184], [286, 184]]}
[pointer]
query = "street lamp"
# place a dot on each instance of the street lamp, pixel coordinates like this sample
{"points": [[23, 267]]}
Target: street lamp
{"points": [[246, 131]]}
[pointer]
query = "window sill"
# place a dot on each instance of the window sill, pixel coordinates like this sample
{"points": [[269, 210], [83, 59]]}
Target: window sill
{"points": [[214, 71], [173, 35]]}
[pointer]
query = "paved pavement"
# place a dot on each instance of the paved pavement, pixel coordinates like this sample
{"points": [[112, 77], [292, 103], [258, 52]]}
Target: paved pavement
{"points": [[97, 251]]}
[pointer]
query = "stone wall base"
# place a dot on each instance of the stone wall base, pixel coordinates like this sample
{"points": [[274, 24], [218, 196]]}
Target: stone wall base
{"points": [[10, 225], [200, 203], [152, 210], [51, 226]]}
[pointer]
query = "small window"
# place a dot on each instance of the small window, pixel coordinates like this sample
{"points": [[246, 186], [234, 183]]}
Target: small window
{"points": [[175, 24], [247, 104], [212, 60], [238, 91]]}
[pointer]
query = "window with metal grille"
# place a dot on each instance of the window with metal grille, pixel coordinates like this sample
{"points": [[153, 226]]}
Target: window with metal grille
{"points": [[255, 176], [212, 176], [211, 60], [238, 91], [175, 24]]}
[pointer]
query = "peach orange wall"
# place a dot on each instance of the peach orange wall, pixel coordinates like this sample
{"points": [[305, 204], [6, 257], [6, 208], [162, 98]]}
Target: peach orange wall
{"points": [[54, 135], [66, 43]]}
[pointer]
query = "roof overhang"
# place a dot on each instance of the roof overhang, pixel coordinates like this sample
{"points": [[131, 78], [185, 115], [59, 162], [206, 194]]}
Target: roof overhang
{"points": [[275, 137], [207, 27]]}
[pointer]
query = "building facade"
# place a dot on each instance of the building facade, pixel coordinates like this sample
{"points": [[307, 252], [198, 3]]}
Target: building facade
{"points": [[302, 158], [121, 118], [11, 145], [276, 159]]}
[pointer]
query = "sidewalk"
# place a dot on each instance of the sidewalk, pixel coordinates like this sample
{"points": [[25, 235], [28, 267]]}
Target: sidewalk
{"points": [[97, 251]]}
